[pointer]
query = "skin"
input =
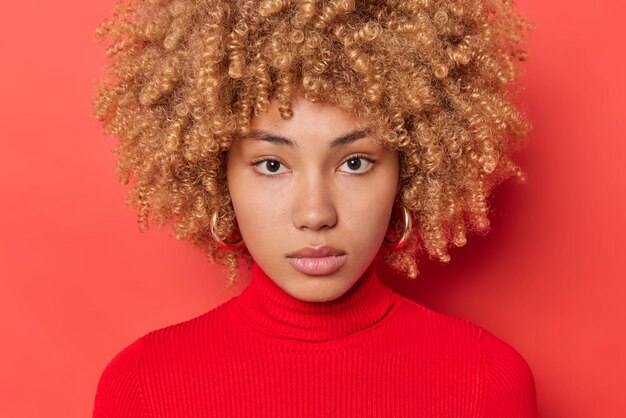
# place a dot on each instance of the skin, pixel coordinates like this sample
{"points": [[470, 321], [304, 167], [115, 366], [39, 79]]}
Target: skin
{"points": [[287, 198]]}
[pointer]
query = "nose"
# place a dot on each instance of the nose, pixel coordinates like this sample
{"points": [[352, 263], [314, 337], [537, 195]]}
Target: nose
{"points": [[314, 206]]}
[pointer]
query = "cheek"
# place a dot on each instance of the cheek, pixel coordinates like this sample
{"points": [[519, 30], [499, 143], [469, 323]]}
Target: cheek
{"points": [[258, 213], [367, 218]]}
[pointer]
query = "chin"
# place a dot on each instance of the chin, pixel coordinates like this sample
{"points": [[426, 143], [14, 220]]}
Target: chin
{"points": [[316, 298], [324, 290]]}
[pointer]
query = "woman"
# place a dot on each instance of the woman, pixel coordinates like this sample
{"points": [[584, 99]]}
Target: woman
{"points": [[309, 138]]}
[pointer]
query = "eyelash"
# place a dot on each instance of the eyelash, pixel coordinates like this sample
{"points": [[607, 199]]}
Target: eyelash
{"points": [[361, 157], [351, 157]]}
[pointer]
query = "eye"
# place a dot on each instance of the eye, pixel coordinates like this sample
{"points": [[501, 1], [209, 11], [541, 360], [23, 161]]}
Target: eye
{"points": [[269, 167], [357, 164]]}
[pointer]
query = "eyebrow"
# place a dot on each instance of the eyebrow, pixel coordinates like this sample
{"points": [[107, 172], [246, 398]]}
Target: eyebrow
{"points": [[276, 139]]}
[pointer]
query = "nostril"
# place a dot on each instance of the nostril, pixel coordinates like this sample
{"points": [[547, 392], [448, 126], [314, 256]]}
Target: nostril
{"points": [[314, 206], [315, 217]]}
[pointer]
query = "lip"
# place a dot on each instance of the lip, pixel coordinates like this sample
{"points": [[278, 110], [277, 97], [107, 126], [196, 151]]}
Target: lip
{"points": [[314, 252], [317, 261]]}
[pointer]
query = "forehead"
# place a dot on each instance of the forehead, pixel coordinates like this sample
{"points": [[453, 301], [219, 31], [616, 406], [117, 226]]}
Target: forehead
{"points": [[320, 120]]}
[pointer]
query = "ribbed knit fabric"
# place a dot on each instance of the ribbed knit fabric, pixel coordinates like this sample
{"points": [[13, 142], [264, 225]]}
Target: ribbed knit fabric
{"points": [[369, 353]]}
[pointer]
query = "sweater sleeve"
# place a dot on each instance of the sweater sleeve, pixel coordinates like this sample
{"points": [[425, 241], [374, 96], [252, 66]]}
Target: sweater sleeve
{"points": [[509, 386], [119, 393]]}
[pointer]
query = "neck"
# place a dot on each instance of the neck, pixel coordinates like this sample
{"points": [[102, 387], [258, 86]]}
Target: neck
{"points": [[269, 309]]}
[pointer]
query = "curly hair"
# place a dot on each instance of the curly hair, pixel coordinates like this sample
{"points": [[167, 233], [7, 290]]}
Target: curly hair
{"points": [[434, 77]]}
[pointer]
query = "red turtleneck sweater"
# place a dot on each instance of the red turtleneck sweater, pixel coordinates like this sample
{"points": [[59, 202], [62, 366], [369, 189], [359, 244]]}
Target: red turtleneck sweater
{"points": [[369, 353]]}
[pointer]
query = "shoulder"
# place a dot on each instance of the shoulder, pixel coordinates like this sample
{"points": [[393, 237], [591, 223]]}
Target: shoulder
{"points": [[500, 358], [121, 389], [438, 326], [169, 340], [198, 331], [508, 381]]}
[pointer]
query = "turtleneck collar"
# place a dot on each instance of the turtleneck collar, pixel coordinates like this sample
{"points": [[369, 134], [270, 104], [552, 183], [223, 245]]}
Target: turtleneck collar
{"points": [[269, 309]]}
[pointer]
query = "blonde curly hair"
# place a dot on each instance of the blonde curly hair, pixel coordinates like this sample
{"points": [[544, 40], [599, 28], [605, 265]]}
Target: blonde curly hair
{"points": [[185, 77]]}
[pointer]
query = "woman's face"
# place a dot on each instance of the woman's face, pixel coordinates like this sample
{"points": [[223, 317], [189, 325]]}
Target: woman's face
{"points": [[313, 197]]}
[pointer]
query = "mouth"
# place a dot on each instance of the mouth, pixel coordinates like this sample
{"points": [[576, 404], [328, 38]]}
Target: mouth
{"points": [[317, 261]]}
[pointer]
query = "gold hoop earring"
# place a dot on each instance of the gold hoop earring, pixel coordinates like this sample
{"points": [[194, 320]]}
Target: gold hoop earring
{"points": [[406, 233], [224, 245]]}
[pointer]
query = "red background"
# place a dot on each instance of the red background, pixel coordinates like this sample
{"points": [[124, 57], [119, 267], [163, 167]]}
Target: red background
{"points": [[79, 282]]}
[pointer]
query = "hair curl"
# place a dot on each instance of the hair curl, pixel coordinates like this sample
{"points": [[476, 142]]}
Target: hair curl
{"points": [[433, 76]]}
